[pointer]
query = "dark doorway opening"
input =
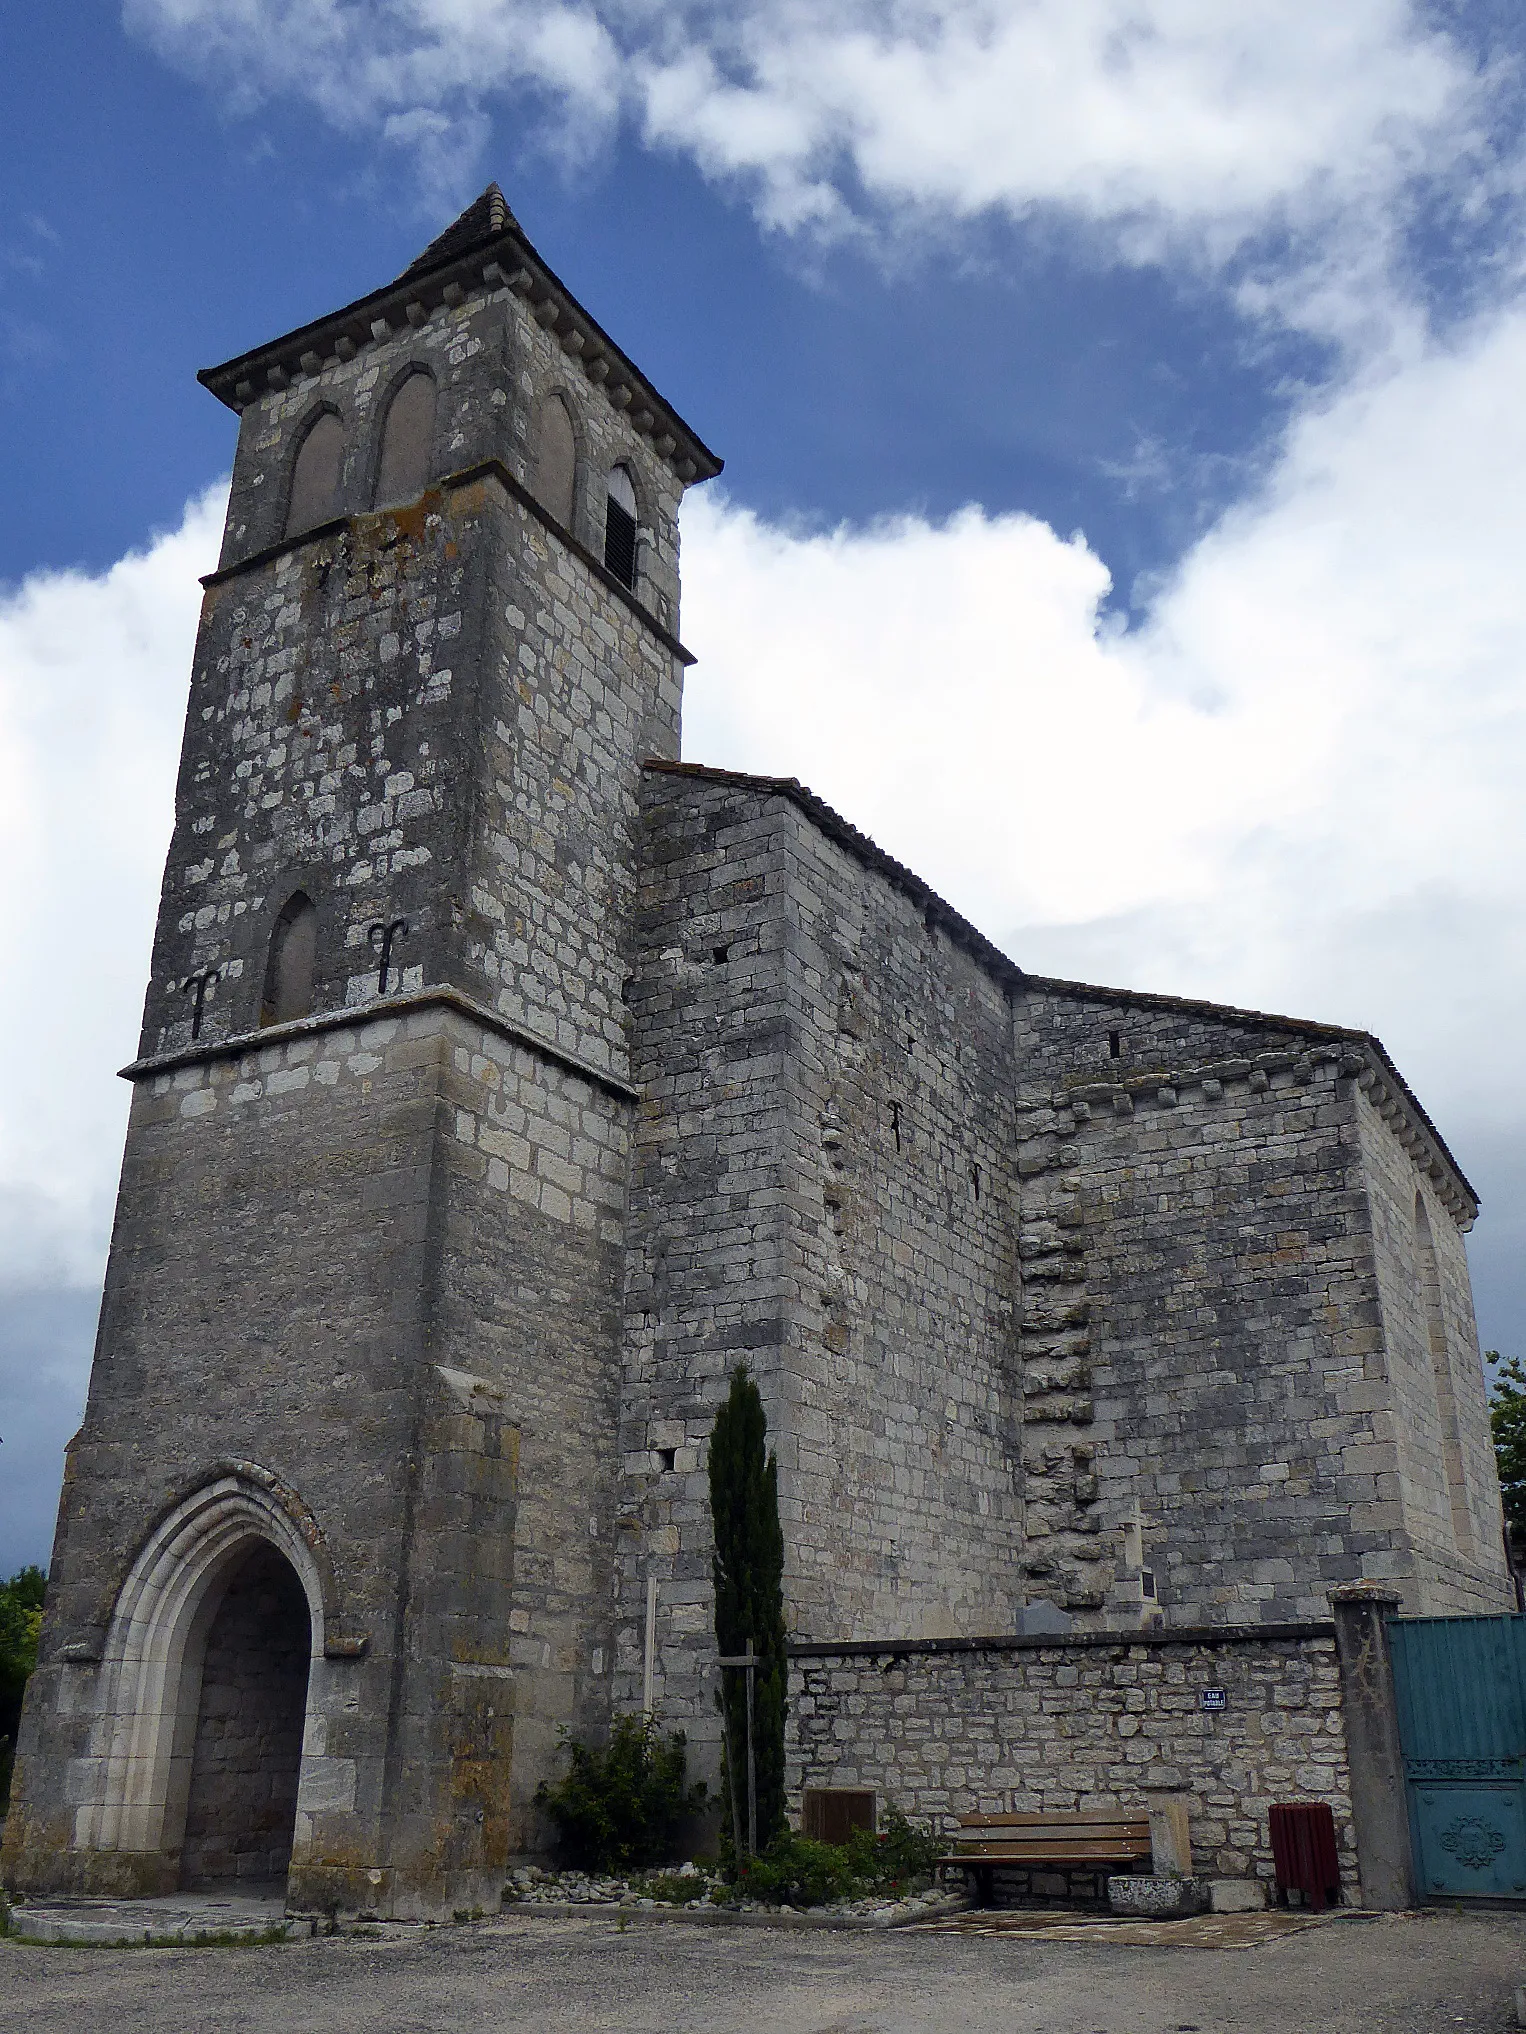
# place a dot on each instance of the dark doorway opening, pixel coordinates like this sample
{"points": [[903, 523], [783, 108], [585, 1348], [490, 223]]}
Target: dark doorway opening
{"points": [[248, 1754]]}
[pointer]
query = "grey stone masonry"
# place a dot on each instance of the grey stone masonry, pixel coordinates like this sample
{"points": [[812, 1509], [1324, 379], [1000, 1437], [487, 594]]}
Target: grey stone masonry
{"points": [[1219, 1320], [822, 1186], [1055, 1294], [1060, 1727]]}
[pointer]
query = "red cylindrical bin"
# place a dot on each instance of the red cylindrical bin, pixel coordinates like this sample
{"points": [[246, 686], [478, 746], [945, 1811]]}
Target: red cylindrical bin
{"points": [[1303, 1850]]}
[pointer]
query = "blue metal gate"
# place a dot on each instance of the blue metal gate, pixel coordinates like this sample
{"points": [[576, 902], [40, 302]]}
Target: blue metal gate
{"points": [[1460, 1683]]}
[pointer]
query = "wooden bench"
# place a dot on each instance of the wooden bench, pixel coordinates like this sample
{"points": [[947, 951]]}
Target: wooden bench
{"points": [[1111, 1843]]}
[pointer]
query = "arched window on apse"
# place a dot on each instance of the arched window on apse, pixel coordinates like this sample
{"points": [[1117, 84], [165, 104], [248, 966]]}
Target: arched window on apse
{"points": [[288, 992], [1441, 1371], [402, 472], [315, 477], [620, 527], [556, 460]]}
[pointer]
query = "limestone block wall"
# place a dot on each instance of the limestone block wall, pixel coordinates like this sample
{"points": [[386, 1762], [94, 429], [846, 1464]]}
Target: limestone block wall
{"points": [[705, 1283], [944, 1730], [492, 361], [1439, 1476], [435, 715], [575, 690], [1196, 1196], [264, 1304], [902, 1483], [327, 739], [378, 1257], [793, 1019], [533, 1160]]}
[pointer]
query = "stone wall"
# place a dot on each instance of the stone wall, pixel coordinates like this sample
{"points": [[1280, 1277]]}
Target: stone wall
{"points": [[1007, 1726], [1204, 1330], [900, 1473], [1434, 1453], [822, 1186], [1051, 1292], [705, 1276]]}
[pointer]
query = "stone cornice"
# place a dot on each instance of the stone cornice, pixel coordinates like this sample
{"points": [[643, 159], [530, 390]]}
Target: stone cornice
{"points": [[1353, 1055], [486, 469], [503, 261], [357, 1015], [1042, 1641]]}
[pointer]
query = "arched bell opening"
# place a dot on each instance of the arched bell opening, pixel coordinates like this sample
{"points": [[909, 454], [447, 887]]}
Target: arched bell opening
{"points": [[250, 1710]]}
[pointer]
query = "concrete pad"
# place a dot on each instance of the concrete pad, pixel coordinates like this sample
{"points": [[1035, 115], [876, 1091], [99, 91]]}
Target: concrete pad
{"points": [[180, 1918]]}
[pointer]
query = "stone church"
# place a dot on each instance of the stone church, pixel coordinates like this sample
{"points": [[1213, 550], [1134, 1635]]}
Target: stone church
{"points": [[506, 1080]]}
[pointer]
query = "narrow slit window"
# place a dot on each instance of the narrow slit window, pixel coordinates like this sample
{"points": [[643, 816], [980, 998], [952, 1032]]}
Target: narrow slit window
{"points": [[620, 527], [288, 992], [1115, 1045], [895, 1123], [975, 1180]]}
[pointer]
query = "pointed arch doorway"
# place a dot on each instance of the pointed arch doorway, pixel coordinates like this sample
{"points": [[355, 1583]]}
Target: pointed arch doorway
{"points": [[250, 1709], [211, 1687]]}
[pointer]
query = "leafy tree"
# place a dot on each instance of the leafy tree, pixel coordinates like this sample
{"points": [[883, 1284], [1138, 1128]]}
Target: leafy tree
{"points": [[621, 1804], [749, 1602], [20, 1623], [1507, 1418]]}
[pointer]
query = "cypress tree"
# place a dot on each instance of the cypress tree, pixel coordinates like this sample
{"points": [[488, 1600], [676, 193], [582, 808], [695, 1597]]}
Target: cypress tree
{"points": [[749, 1599]]}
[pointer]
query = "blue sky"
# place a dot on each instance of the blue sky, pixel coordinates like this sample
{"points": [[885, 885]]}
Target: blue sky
{"points": [[1121, 516], [153, 229]]}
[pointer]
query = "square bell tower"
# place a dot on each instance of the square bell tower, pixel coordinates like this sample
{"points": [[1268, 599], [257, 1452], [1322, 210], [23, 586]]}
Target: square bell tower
{"points": [[334, 1553]]}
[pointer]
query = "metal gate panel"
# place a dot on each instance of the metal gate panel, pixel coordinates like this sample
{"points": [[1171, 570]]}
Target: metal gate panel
{"points": [[1460, 1687], [1470, 1839]]}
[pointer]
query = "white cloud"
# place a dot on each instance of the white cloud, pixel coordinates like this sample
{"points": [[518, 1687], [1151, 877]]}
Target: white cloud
{"points": [[1169, 122], [93, 678]]}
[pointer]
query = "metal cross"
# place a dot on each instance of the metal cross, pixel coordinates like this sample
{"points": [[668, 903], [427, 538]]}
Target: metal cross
{"points": [[381, 937], [200, 985]]}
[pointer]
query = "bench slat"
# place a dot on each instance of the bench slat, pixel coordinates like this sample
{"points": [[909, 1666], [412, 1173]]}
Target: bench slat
{"points": [[1050, 1849], [1122, 1823]]}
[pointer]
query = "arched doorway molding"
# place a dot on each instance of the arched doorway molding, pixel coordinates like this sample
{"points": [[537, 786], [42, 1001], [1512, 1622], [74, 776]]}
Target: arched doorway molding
{"points": [[152, 1660]]}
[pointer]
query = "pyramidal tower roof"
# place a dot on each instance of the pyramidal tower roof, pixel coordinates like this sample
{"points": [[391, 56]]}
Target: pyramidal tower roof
{"points": [[482, 252], [483, 220]]}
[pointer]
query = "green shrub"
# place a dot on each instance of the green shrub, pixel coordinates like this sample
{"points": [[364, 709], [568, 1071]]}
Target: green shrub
{"points": [[621, 1804], [800, 1872], [901, 1856], [671, 1889], [20, 1623]]}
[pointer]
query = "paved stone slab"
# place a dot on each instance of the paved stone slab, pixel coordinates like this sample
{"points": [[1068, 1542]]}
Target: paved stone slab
{"points": [[185, 1918]]}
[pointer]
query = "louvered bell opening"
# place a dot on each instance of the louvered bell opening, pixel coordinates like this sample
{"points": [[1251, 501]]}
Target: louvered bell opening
{"points": [[620, 542]]}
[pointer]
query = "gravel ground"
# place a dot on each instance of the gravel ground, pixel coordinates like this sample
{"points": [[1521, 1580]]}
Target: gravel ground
{"points": [[1411, 1974]]}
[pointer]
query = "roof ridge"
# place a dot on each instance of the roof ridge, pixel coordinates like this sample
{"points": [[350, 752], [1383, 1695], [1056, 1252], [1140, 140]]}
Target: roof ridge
{"points": [[1007, 970]]}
